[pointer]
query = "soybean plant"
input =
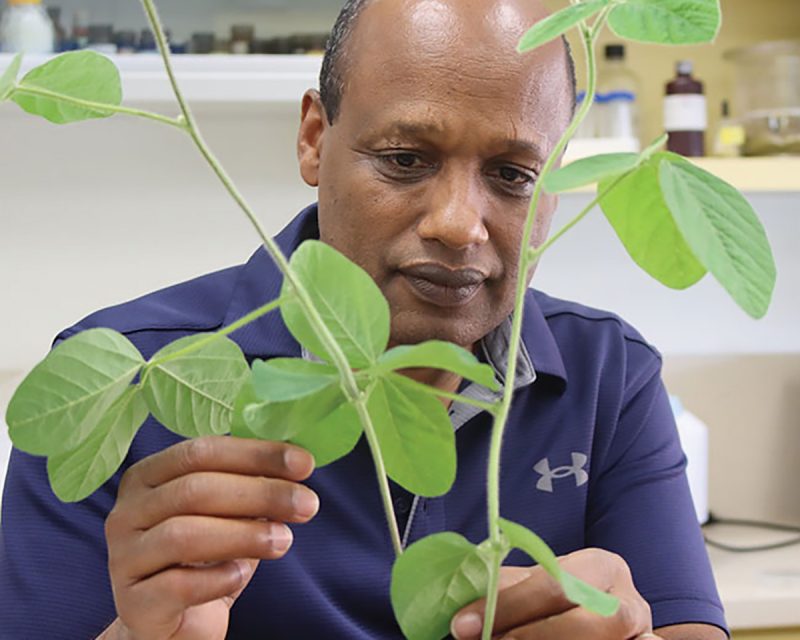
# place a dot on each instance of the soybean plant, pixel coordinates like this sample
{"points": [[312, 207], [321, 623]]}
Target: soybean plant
{"points": [[82, 406]]}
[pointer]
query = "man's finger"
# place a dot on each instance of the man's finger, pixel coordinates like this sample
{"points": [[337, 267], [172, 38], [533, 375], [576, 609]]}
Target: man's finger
{"points": [[225, 454], [223, 495], [536, 596], [629, 622], [162, 598], [185, 540]]}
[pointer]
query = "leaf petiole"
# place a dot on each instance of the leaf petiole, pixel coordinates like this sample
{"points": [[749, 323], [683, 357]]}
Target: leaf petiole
{"points": [[490, 407], [196, 346], [535, 253], [96, 106]]}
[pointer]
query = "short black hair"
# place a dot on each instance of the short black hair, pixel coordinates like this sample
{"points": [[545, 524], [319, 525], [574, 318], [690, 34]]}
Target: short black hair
{"points": [[331, 77]]}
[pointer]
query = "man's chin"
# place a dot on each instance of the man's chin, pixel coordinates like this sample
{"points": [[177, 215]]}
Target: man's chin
{"points": [[419, 328]]}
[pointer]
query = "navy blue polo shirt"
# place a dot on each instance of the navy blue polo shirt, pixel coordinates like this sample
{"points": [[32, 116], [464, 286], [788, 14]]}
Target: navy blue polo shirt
{"points": [[591, 458]]}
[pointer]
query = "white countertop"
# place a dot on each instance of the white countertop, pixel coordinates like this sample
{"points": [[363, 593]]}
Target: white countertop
{"points": [[759, 589]]}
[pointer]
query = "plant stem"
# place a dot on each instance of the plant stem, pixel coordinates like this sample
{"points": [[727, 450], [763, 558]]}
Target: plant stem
{"points": [[244, 320], [588, 37], [347, 377], [97, 106], [380, 470]]}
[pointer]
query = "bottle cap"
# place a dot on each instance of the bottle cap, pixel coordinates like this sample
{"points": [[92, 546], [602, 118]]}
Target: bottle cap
{"points": [[684, 67], [615, 52]]}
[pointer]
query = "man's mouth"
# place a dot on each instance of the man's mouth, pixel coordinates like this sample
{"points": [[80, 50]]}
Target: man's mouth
{"points": [[442, 286]]}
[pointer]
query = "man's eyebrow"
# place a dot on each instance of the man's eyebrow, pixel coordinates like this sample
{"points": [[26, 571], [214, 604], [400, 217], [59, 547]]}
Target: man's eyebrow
{"points": [[516, 145], [414, 128]]}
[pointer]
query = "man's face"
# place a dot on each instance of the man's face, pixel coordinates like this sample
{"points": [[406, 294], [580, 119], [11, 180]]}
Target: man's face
{"points": [[426, 174]]}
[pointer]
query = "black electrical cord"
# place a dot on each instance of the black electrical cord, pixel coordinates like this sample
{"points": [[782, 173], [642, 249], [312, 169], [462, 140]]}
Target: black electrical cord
{"points": [[758, 524]]}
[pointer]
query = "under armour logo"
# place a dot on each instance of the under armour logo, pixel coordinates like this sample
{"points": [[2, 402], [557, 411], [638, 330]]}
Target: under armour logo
{"points": [[545, 483]]}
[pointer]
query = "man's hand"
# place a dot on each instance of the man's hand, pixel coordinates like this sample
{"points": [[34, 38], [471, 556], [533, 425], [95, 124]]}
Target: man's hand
{"points": [[190, 526], [532, 606]]}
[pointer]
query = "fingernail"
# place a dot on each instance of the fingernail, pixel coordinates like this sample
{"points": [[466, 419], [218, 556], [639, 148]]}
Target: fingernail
{"points": [[306, 503], [281, 537], [295, 461], [467, 625]]}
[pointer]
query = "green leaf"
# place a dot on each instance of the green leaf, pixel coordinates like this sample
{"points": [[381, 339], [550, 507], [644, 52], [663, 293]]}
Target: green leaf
{"points": [[85, 75], [667, 21], [332, 437], [723, 231], [640, 216], [323, 422], [282, 379], [415, 435], [558, 23], [66, 395], [576, 590], [590, 170], [246, 397], [281, 421], [348, 300], [434, 579], [9, 77], [77, 474], [437, 354], [193, 394]]}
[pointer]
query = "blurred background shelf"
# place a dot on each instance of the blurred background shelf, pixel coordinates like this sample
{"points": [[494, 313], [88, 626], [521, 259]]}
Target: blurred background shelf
{"points": [[777, 174], [279, 79]]}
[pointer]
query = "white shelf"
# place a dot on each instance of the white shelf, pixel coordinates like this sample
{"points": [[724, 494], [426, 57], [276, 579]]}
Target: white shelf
{"points": [[779, 174], [210, 78]]}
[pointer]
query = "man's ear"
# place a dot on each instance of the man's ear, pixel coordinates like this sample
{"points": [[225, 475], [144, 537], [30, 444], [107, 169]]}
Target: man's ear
{"points": [[313, 124]]}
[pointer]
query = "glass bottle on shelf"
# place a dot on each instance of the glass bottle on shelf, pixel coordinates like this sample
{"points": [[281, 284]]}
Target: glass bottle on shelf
{"points": [[685, 115], [26, 28], [730, 136], [617, 117]]}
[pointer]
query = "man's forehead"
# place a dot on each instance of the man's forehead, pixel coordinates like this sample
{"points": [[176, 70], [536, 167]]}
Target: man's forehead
{"points": [[443, 19]]}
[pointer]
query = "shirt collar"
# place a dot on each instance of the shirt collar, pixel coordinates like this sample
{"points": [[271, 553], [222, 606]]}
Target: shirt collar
{"points": [[260, 282]]}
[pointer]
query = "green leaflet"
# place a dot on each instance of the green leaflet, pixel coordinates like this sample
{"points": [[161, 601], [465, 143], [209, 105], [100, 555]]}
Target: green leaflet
{"points": [[321, 422], [415, 435], [576, 590], [348, 300], [193, 394], [282, 379], [558, 23], [9, 77], [723, 231], [667, 21], [640, 216], [66, 395], [77, 474], [436, 354], [435, 578], [85, 75], [597, 168], [332, 437], [589, 170]]}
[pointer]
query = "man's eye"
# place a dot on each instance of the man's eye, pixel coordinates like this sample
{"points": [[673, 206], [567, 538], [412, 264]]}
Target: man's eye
{"points": [[404, 160], [515, 176]]}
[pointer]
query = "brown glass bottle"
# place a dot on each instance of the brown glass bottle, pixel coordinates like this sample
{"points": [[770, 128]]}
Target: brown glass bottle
{"points": [[685, 116]]}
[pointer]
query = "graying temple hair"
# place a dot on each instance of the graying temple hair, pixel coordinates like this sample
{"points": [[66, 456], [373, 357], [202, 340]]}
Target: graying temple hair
{"points": [[331, 77]]}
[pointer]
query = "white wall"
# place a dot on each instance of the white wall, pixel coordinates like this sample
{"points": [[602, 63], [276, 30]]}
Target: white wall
{"points": [[96, 213]]}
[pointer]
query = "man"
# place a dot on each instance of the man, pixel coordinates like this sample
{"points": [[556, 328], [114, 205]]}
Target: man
{"points": [[425, 144]]}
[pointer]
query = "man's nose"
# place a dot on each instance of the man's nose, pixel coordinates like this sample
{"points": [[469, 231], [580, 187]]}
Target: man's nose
{"points": [[455, 212]]}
